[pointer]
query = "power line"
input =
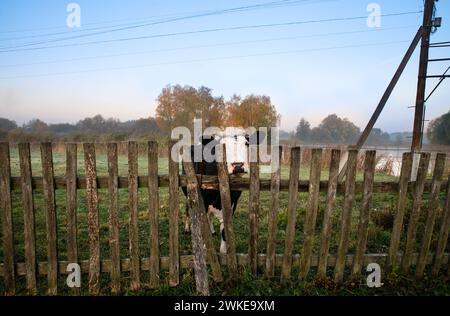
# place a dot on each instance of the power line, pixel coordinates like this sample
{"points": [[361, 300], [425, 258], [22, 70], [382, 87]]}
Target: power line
{"points": [[208, 46], [234, 28], [142, 19], [128, 26], [205, 60]]}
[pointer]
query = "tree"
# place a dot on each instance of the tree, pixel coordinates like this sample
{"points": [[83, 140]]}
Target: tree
{"points": [[252, 111], [180, 105], [36, 126], [7, 125], [335, 130], [438, 130], [378, 137], [303, 130]]}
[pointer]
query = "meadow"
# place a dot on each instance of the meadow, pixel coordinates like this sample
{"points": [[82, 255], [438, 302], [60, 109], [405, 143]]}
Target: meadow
{"points": [[380, 225]]}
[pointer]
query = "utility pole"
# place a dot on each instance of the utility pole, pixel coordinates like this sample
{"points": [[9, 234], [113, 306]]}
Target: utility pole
{"points": [[416, 143]]}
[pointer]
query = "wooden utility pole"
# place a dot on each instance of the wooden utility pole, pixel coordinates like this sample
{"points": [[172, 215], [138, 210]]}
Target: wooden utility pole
{"points": [[416, 143]]}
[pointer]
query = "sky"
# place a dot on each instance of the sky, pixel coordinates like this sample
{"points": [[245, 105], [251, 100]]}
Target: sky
{"points": [[312, 57]]}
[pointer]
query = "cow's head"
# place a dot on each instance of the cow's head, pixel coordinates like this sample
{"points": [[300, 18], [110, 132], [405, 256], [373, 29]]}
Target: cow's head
{"points": [[237, 142]]}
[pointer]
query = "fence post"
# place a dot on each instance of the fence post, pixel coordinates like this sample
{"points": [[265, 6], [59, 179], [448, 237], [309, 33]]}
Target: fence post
{"points": [[153, 212], [294, 174], [224, 187], [92, 204], [443, 234], [397, 228], [194, 200], [346, 215], [49, 200], [6, 218], [414, 216], [29, 220], [432, 213], [273, 212], [369, 173], [327, 216], [114, 243], [133, 219], [311, 213], [71, 206], [174, 211], [253, 208]]}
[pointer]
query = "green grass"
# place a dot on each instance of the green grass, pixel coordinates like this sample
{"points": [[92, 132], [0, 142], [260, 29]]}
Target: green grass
{"points": [[379, 235]]}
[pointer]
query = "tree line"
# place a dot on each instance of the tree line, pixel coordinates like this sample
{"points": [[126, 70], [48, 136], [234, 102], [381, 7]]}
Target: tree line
{"points": [[179, 105]]}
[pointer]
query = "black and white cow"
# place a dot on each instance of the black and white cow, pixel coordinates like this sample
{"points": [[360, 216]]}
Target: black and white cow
{"points": [[236, 143]]}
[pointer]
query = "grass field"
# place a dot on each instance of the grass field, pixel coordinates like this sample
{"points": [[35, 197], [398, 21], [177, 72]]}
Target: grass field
{"points": [[378, 241]]}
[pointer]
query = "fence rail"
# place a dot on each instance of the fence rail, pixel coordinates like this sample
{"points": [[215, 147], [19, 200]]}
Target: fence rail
{"points": [[428, 255]]}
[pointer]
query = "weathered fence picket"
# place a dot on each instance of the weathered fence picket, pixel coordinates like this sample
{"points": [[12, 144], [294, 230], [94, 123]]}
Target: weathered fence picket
{"points": [[113, 207], [153, 212], [93, 218], [275, 178], [369, 175], [350, 177], [7, 223], [50, 215], [327, 216], [443, 234], [294, 173], [311, 213], [432, 213], [133, 219], [253, 209], [174, 211], [28, 219], [227, 212], [205, 250], [414, 216], [397, 228], [71, 206]]}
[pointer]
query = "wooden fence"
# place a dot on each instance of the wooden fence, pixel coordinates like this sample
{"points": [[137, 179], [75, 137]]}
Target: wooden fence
{"points": [[204, 250]]}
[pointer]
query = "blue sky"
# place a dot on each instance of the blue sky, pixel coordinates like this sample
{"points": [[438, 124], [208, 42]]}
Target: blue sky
{"points": [[302, 67]]}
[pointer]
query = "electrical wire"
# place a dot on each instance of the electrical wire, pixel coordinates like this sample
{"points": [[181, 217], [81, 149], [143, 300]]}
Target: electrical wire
{"points": [[234, 28]]}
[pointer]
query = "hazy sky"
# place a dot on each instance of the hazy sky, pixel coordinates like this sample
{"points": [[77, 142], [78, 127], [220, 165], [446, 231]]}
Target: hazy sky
{"points": [[308, 69]]}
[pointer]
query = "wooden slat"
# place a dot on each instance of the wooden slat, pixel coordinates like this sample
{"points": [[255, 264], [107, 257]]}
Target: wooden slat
{"points": [[29, 220], [187, 262], [328, 213], [197, 211], [253, 209], [174, 211], [311, 213], [273, 211], [212, 182], [50, 215], [93, 222], [443, 234], [397, 228], [414, 215], [133, 230], [153, 209], [113, 208], [369, 174], [7, 222], [227, 211], [294, 173], [432, 213], [71, 206], [346, 215]]}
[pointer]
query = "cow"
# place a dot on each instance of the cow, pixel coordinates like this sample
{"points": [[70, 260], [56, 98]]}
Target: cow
{"points": [[236, 142]]}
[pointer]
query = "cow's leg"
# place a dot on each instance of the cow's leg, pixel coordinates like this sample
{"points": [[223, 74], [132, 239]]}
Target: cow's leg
{"points": [[187, 221], [218, 214], [210, 217]]}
